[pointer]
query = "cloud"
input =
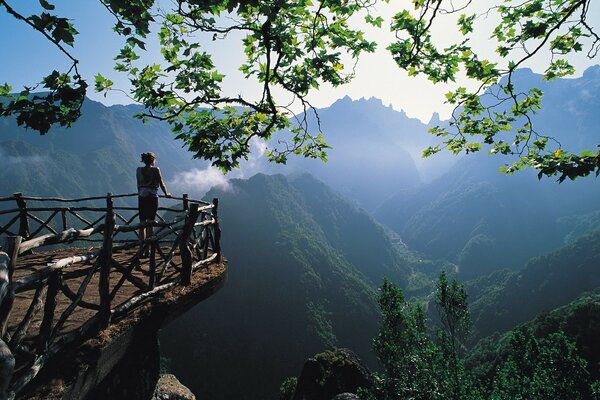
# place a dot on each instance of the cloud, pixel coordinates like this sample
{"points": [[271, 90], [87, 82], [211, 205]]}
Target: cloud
{"points": [[199, 181], [255, 162], [7, 159]]}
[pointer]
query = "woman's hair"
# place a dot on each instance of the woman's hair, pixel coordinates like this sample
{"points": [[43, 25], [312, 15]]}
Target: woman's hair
{"points": [[148, 158]]}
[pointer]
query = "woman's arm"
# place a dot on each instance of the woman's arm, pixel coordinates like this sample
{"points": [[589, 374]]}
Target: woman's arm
{"points": [[162, 183]]}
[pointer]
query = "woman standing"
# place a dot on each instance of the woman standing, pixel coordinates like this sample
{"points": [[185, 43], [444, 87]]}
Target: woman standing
{"points": [[148, 182]]}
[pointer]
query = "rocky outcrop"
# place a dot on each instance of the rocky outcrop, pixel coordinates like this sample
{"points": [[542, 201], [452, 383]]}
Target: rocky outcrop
{"points": [[169, 388], [331, 374]]}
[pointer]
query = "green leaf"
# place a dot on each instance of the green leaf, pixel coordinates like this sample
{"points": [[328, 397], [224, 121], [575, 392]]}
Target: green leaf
{"points": [[46, 5]]}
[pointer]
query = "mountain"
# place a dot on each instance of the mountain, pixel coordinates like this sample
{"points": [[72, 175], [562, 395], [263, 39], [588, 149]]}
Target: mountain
{"points": [[371, 150], [304, 265], [484, 220], [505, 299], [98, 154]]}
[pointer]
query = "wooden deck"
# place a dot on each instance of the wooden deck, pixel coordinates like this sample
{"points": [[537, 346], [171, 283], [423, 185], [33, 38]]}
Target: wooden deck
{"points": [[74, 294], [34, 262]]}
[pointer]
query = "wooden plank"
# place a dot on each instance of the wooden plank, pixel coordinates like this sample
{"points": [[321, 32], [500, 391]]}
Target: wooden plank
{"points": [[13, 244], [140, 284], [49, 308], [217, 229], [43, 224], [206, 261], [39, 278], [34, 308], [23, 221], [9, 224], [152, 268], [106, 264], [63, 262], [78, 300], [64, 289], [82, 219], [90, 326], [125, 307], [65, 236], [184, 250], [169, 259], [64, 219]]}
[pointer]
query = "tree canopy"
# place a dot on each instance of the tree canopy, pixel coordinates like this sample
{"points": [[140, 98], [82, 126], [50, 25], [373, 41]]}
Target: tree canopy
{"points": [[497, 114], [418, 364], [294, 47]]}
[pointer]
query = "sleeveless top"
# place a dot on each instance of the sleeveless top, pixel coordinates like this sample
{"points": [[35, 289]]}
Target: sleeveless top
{"points": [[147, 181]]}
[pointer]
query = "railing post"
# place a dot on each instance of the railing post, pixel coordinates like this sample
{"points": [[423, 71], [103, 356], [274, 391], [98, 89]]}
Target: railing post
{"points": [[24, 221], [186, 202], [217, 229], [105, 264], [64, 219], [12, 249], [7, 266], [49, 308], [184, 248], [152, 278]]}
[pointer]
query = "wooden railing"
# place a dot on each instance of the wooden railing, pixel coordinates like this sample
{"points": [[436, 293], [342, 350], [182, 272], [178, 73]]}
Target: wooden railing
{"points": [[186, 237]]}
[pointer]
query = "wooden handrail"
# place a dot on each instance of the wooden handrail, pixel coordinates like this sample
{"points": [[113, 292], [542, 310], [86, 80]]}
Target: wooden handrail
{"points": [[193, 235]]}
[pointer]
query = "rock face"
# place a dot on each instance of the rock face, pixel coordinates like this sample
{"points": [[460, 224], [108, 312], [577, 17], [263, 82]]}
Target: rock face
{"points": [[332, 374], [169, 388]]}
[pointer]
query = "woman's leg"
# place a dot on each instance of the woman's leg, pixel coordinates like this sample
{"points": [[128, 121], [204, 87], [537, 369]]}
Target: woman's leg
{"points": [[143, 208]]}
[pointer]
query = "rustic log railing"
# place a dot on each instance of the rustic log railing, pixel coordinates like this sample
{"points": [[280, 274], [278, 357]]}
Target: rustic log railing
{"points": [[185, 238]]}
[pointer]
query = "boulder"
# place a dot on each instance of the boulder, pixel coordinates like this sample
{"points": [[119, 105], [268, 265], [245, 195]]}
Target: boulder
{"points": [[169, 388], [332, 373]]}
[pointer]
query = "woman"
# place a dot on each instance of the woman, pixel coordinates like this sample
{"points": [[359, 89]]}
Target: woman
{"points": [[148, 182]]}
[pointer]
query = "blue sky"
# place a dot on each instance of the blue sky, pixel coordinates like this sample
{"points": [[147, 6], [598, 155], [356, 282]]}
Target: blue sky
{"points": [[28, 57]]}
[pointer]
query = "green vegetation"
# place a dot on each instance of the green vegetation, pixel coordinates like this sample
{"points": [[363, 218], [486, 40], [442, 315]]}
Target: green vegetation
{"points": [[577, 320], [497, 114], [505, 299], [415, 366], [294, 47], [298, 46], [303, 268], [527, 363]]}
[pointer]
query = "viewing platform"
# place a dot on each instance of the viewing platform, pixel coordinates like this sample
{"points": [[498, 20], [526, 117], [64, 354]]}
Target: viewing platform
{"points": [[76, 271]]}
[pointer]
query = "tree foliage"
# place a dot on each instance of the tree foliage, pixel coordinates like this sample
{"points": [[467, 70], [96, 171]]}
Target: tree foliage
{"points": [[294, 47], [423, 363], [496, 114], [544, 368], [417, 366]]}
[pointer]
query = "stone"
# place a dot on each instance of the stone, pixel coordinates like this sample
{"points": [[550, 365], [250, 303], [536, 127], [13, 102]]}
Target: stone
{"points": [[332, 373], [169, 388]]}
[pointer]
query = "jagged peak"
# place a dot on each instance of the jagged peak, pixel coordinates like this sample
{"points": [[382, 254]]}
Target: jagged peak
{"points": [[435, 119]]}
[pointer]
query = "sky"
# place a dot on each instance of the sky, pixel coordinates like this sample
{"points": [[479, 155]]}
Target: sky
{"points": [[27, 56]]}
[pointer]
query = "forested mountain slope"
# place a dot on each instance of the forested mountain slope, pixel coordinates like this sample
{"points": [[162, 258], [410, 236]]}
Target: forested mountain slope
{"points": [[485, 220], [505, 299], [579, 320], [304, 266]]}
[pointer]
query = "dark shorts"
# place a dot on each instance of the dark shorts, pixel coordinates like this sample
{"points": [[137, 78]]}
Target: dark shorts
{"points": [[148, 206]]}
